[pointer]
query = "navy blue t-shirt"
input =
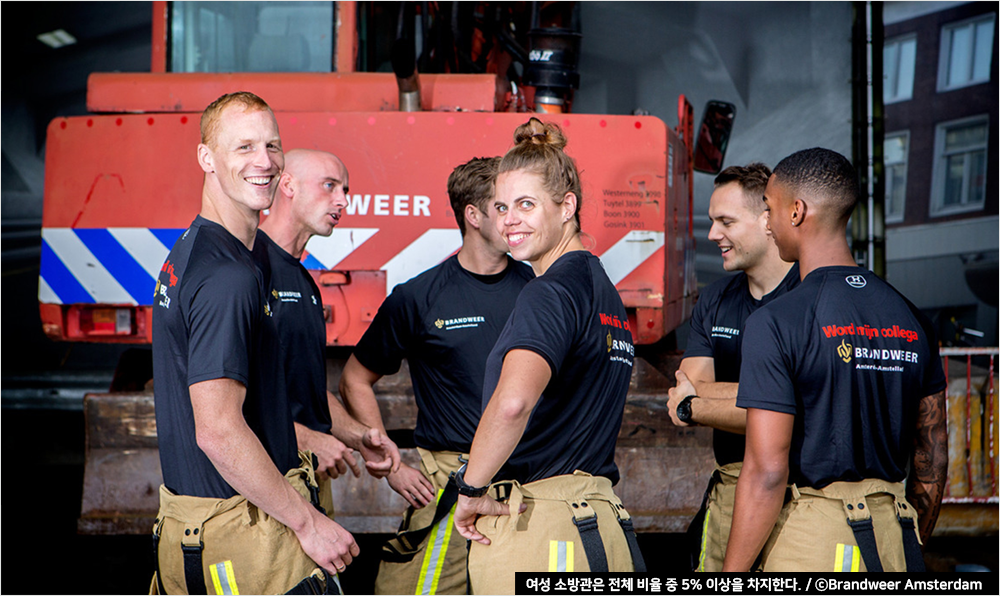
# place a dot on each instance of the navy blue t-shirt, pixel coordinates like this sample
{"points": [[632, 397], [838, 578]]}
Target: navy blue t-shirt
{"points": [[301, 328], [851, 359], [444, 322], [211, 320], [574, 318], [716, 332]]}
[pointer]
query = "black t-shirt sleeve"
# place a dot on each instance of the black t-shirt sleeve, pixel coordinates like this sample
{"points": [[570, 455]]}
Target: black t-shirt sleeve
{"points": [[765, 375], [543, 321], [221, 314], [699, 341], [385, 343]]}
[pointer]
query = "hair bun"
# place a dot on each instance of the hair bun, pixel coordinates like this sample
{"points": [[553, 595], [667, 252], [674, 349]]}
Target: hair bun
{"points": [[536, 132]]}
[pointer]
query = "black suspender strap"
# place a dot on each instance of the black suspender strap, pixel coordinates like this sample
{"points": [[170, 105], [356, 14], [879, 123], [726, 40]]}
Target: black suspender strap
{"points": [[468, 578], [403, 546], [911, 547], [864, 535], [633, 545], [590, 536], [194, 573], [156, 559]]}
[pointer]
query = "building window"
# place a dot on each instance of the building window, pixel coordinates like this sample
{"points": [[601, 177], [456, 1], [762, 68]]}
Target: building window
{"points": [[960, 149], [899, 57], [966, 53], [897, 146]]}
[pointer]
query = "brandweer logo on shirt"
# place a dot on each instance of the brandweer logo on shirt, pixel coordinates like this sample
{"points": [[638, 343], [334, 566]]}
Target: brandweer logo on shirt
{"points": [[287, 296], [725, 332], [459, 323]]}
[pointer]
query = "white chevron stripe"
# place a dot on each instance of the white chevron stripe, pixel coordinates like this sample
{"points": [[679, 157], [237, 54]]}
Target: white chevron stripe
{"points": [[45, 293], [85, 267], [144, 247], [630, 252], [331, 250], [434, 246]]}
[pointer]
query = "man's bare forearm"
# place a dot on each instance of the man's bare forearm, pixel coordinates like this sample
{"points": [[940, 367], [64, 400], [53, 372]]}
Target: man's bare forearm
{"points": [[930, 462], [720, 413], [344, 426], [239, 456], [357, 391]]}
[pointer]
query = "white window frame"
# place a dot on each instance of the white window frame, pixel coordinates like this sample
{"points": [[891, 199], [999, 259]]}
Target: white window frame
{"points": [[945, 55], [891, 79], [937, 207], [898, 217]]}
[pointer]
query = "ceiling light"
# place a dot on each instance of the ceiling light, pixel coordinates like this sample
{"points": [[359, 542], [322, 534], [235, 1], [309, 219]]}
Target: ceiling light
{"points": [[57, 38]]}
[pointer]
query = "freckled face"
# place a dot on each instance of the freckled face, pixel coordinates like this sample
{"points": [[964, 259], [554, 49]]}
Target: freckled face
{"points": [[527, 217], [246, 157]]}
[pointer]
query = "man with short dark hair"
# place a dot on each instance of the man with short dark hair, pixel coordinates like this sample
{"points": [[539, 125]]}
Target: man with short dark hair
{"points": [[707, 379], [444, 322], [310, 198], [225, 439], [843, 388]]}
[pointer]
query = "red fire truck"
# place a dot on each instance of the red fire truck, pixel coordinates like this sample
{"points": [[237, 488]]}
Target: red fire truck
{"points": [[121, 184]]}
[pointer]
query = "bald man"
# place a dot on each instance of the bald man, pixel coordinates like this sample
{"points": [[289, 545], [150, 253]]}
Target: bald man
{"points": [[311, 196]]}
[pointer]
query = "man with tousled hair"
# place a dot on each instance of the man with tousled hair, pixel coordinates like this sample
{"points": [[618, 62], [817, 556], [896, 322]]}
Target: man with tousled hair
{"points": [[311, 196], [707, 379], [444, 322], [225, 436], [843, 388]]}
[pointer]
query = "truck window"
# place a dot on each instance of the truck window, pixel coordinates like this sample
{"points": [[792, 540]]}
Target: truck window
{"points": [[251, 36]]}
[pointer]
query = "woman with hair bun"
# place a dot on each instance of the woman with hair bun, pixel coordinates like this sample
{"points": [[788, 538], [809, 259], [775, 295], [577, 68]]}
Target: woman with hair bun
{"points": [[536, 493]]}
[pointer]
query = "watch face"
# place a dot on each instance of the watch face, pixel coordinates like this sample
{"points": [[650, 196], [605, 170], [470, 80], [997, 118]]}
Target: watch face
{"points": [[684, 411]]}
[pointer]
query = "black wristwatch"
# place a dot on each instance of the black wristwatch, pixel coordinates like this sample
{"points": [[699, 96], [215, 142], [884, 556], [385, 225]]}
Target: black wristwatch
{"points": [[465, 489], [684, 409]]}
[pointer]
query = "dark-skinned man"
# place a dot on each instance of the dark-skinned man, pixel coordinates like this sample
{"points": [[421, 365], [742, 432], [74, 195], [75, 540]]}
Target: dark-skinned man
{"points": [[843, 388]]}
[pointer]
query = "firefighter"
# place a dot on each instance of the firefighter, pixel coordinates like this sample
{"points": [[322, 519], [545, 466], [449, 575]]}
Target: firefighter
{"points": [[225, 437], [554, 392], [444, 323], [843, 388], [707, 380], [309, 201]]}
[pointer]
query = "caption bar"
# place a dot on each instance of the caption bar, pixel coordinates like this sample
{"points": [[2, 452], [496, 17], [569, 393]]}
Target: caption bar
{"points": [[755, 583]]}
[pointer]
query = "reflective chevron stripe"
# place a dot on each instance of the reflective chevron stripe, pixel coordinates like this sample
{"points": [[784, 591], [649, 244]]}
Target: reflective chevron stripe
{"points": [[630, 252], [120, 265]]}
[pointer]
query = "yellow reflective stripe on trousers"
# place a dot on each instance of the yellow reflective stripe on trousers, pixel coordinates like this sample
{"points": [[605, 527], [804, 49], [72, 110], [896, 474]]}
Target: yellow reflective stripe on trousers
{"points": [[848, 558], [560, 556], [437, 549], [704, 539], [223, 578]]}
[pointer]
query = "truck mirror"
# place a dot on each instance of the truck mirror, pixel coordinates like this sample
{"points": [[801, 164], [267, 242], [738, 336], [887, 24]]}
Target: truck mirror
{"points": [[713, 136]]}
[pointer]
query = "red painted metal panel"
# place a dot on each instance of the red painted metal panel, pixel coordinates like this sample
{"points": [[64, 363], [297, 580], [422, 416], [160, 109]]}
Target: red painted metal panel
{"points": [[139, 171], [285, 92], [346, 50], [158, 59]]}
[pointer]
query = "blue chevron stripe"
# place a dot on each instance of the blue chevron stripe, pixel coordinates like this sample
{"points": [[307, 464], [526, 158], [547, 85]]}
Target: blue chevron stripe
{"points": [[59, 278], [119, 263], [168, 236], [311, 262]]}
